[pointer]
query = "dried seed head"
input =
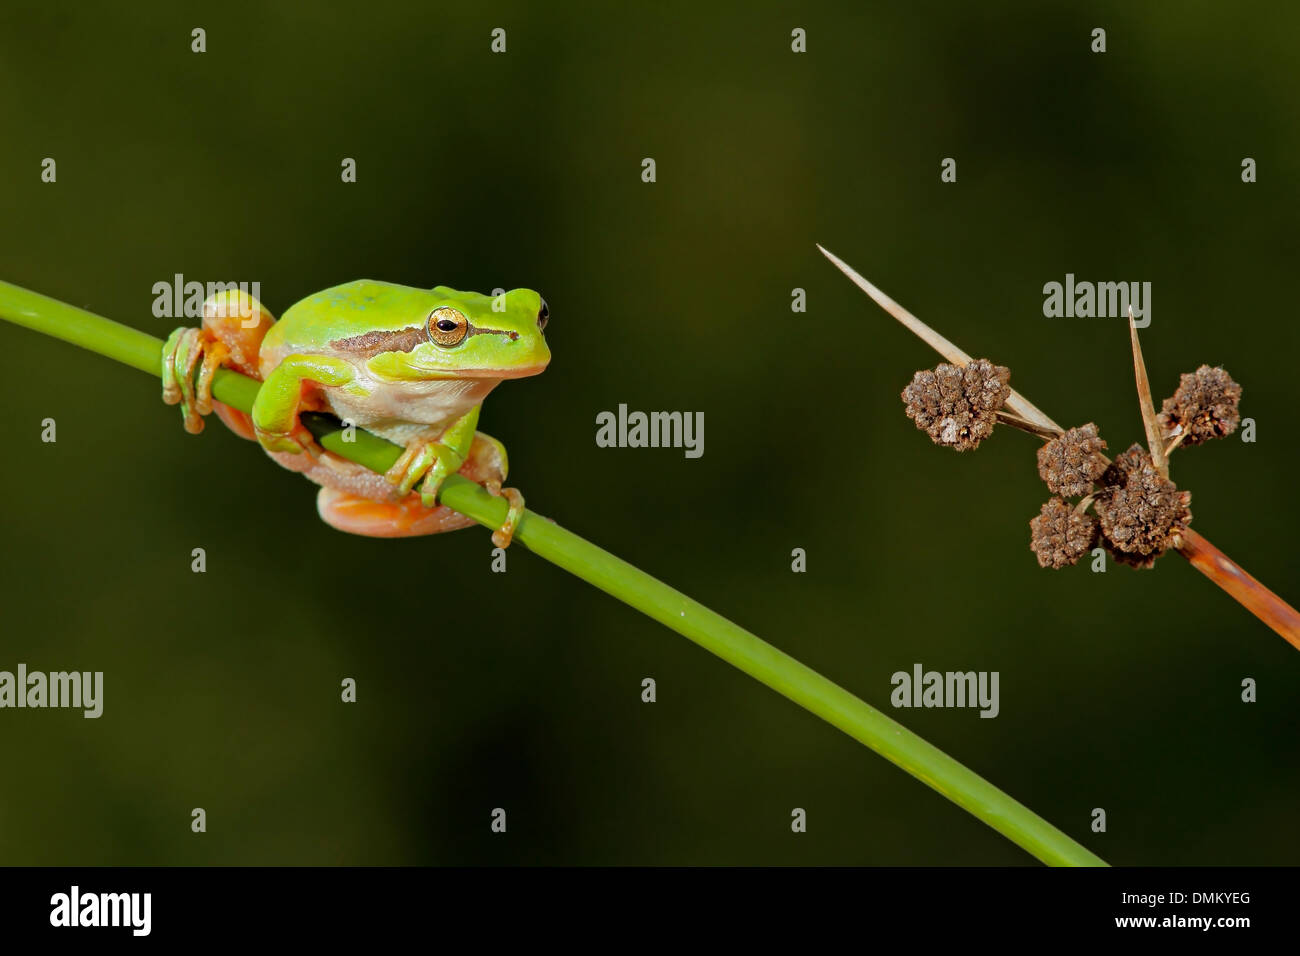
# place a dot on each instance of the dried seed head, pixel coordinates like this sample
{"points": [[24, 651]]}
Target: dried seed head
{"points": [[1060, 536], [1205, 406], [1140, 510], [1071, 463], [958, 406], [1123, 557], [1125, 464]]}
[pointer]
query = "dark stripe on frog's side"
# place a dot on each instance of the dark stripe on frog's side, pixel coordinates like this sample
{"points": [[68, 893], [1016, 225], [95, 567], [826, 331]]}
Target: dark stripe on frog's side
{"points": [[475, 330], [374, 343]]}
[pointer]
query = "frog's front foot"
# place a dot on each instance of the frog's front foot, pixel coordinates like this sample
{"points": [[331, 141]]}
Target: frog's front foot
{"points": [[185, 350], [430, 461], [295, 442], [503, 535]]}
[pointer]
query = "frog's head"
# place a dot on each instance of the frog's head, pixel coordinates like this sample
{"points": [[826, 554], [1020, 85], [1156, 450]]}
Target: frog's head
{"points": [[468, 335]]}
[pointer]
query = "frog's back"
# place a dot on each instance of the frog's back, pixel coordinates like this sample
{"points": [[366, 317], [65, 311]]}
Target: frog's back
{"points": [[342, 312]]}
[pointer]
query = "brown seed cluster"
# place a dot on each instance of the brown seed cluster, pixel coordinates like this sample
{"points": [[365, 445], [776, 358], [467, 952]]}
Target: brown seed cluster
{"points": [[1060, 535], [958, 406], [1138, 513], [1205, 406], [1140, 510], [1071, 463]]}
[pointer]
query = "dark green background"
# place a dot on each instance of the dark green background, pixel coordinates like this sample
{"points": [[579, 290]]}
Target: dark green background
{"points": [[522, 690]]}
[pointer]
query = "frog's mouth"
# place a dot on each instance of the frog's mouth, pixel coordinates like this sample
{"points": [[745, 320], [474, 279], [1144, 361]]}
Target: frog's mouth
{"points": [[522, 371]]}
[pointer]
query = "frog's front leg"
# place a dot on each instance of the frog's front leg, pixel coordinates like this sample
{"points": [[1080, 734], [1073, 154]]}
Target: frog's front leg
{"points": [[453, 447], [434, 460], [356, 500], [490, 464], [279, 401]]}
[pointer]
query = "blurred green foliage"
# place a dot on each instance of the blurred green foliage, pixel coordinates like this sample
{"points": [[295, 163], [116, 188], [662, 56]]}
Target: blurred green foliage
{"points": [[522, 690]]}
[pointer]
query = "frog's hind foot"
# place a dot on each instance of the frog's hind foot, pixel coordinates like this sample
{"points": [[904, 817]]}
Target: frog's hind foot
{"points": [[490, 467], [503, 535], [181, 354], [234, 324]]}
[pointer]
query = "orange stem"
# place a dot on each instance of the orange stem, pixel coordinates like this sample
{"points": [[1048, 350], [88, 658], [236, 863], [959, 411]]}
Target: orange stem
{"points": [[1243, 588]]}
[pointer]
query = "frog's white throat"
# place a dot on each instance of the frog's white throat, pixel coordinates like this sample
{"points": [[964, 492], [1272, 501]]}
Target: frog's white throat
{"points": [[390, 405]]}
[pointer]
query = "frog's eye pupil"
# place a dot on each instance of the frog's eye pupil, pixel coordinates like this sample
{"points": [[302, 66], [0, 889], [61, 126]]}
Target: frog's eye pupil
{"points": [[543, 314], [447, 327]]}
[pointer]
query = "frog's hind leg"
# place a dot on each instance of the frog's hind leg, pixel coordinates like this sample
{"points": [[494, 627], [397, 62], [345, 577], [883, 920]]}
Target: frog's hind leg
{"points": [[407, 518], [239, 323], [234, 324], [355, 499]]}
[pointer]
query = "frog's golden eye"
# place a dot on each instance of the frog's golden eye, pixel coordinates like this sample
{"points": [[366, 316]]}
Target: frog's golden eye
{"points": [[447, 326], [542, 315]]}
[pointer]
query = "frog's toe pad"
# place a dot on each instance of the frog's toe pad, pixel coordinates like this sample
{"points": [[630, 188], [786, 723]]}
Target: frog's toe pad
{"points": [[385, 519]]}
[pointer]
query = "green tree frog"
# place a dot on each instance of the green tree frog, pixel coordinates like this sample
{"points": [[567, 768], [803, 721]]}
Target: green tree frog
{"points": [[411, 365]]}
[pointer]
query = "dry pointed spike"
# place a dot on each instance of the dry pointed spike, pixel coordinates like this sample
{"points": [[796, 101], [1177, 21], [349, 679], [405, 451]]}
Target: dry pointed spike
{"points": [[1017, 402], [928, 335], [1025, 425], [1155, 440]]}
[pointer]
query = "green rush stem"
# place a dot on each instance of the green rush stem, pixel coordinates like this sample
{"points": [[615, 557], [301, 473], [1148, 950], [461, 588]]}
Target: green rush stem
{"points": [[616, 577]]}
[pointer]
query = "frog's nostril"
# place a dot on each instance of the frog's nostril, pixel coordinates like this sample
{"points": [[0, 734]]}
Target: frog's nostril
{"points": [[543, 314]]}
